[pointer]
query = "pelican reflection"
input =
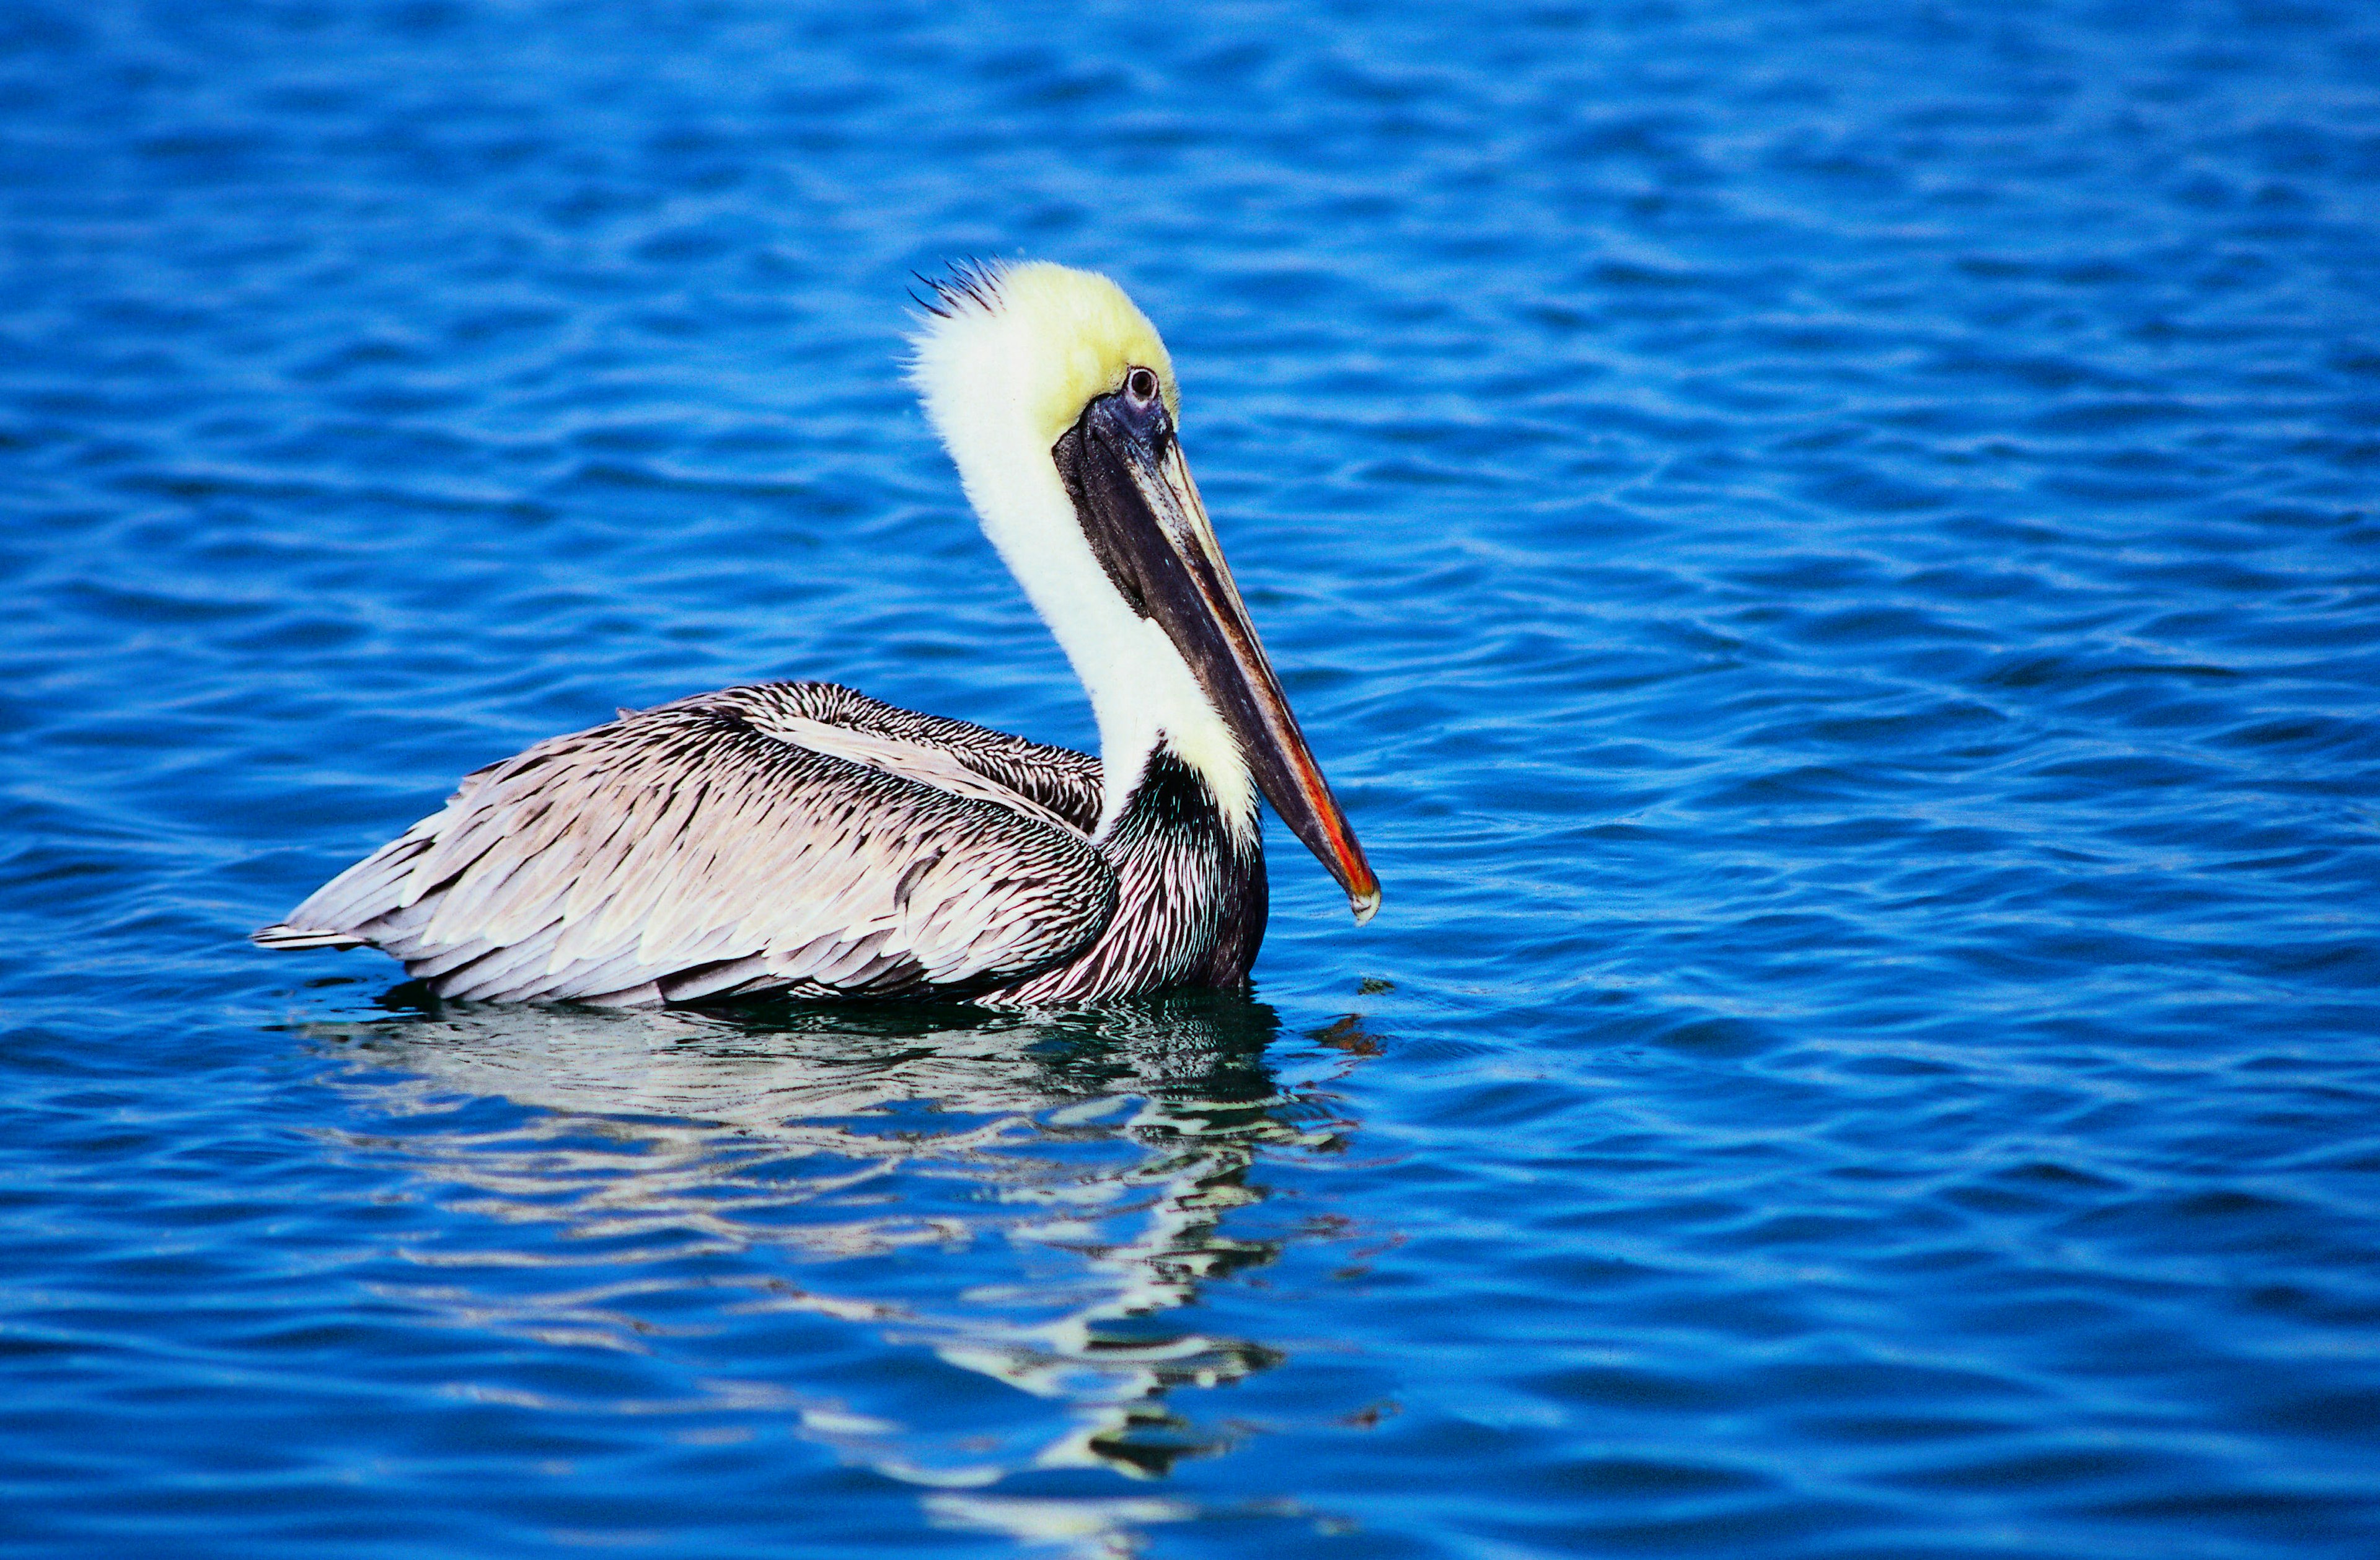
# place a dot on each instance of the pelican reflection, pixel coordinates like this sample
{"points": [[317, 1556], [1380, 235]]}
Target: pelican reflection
{"points": [[1030, 1197]]}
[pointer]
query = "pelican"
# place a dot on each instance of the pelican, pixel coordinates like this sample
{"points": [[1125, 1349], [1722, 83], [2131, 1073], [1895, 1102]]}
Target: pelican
{"points": [[802, 840]]}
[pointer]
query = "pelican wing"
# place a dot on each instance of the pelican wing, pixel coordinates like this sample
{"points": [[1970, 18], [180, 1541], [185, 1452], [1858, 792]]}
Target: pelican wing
{"points": [[793, 837], [851, 725]]}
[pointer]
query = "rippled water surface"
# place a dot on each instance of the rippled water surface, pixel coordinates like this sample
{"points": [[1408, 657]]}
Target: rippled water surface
{"points": [[1830, 549]]}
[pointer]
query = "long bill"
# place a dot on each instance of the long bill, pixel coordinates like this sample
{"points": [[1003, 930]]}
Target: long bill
{"points": [[1143, 518]]}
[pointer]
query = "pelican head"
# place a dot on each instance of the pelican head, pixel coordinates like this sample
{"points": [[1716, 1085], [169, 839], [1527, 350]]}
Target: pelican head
{"points": [[1057, 402]]}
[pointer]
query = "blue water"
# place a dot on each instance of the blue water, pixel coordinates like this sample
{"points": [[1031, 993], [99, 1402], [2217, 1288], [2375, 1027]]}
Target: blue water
{"points": [[1830, 549]]}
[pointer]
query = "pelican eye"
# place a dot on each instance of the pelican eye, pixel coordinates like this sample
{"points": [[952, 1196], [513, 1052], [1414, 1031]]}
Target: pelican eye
{"points": [[1141, 385]]}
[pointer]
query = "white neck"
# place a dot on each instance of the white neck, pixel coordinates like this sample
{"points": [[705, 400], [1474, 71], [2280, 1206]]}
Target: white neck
{"points": [[1142, 691]]}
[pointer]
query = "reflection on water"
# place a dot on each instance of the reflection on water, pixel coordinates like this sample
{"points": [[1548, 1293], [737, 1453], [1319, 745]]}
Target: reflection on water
{"points": [[1032, 1198]]}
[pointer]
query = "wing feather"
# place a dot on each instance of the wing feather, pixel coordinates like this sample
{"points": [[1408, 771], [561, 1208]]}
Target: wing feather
{"points": [[702, 849]]}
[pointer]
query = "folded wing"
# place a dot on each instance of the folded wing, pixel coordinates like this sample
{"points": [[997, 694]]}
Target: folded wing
{"points": [[793, 837]]}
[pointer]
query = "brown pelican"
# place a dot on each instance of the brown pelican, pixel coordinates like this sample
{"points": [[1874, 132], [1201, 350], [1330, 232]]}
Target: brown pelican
{"points": [[805, 840]]}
